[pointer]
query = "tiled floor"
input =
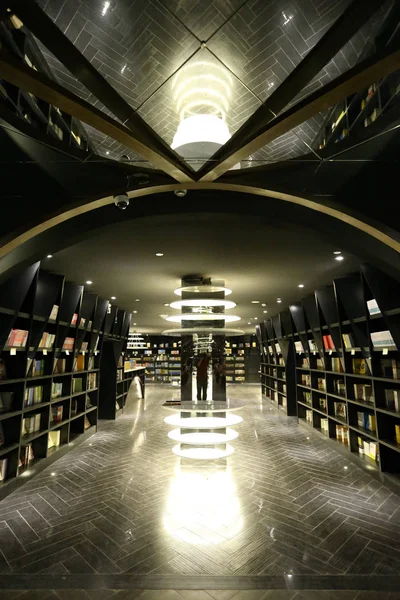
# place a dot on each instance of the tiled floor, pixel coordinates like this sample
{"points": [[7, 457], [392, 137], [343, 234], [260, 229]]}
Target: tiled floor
{"points": [[286, 504]]}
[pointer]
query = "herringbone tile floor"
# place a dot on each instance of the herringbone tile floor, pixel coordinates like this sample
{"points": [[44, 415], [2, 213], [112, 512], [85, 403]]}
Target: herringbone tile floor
{"points": [[288, 502]]}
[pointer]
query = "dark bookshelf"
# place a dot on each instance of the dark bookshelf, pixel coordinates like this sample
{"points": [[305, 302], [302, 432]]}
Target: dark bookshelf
{"points": [[346, 368], [49, 381]]}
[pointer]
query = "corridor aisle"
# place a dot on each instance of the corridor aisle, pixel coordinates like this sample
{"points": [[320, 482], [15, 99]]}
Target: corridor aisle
{"points": [[288, 503]]}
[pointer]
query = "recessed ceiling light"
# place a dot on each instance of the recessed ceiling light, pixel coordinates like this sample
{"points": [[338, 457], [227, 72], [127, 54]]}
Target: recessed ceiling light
{"points": [[255, 302], [89, 282], [166, 304], [49, 256], [249, 323], [159, 254], [263, 304], [337, 252], [265, 311], [339, 257], [301, 285], [107, 152], [135, 311], [137, 300], [279, 300], [135, 323], [113, 297]]}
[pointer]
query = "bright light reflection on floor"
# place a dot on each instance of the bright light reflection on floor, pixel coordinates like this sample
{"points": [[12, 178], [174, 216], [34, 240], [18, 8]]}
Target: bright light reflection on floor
{"points": [[203, 453], [203, 422], [203, 438], [203, 507]]}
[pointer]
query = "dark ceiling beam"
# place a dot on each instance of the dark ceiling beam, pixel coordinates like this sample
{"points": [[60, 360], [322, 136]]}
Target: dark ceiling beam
{"points": [[19, 74], [38, 23], [347, 25], [352, 81]]}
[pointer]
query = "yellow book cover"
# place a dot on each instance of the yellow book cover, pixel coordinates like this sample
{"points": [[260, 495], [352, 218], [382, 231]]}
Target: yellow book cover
{"points": [[397, 428], [359, 366]]}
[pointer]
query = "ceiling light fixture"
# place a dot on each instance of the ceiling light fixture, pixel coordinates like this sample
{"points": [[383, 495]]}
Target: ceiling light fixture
{"points": [[265, 311], [107, 152], [202, 317], [202, 302], [49, 256], [301, 285], [279, 300], [337, 252], [113, 297], [89, 282], [135, 311], [204, 289], [340, 257], [135, 323], [137, 300], [255, 302], [159, 254], [263, 304]]}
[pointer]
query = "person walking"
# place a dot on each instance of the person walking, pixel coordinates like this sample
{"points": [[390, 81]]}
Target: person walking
{"points": [[202, 377]]}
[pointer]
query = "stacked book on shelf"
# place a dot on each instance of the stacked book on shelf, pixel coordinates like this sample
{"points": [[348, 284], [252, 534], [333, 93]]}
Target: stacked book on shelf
{"points": [[348, 341], [31, 424], [328, 342], [340, 410], [68, 344], [33, 395], [60, 365], [91, 381], [56, 390], [368, 448], [392, 399], [57, 413], [382, 339], [366, 421], [364, 392], [342, 434], [17, 338], [47, 340]]}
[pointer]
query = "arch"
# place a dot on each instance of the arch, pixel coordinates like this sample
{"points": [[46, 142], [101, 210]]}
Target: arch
{"points": [[340, 214]]}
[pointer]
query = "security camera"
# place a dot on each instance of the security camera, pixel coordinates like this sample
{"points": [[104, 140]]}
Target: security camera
{"points": [[121, 201], [180, 193]]}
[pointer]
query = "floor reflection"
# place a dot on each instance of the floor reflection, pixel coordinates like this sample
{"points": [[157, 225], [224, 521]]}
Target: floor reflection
{"points": [[202, 506]]}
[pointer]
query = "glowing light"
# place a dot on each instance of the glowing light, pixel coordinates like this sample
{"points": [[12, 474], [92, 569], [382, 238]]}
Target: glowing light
{"points": [[199, 78], [204, 289], [203, 329], [203, 438], [201, 128], [339, 257], [203, 453], [202, 317], [123, 69], [301, 285], [201, 92], [89, 282], [203, 422], [49, 256], [204, 501], [159, 254], [105, 8], [202, 302], [337, 252]]}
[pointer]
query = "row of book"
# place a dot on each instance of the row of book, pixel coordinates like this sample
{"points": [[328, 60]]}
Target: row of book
{"points": [[339, 387], [392, 399], [342, 434], [31, 424], [366, 421], [47, 340], [57, 413], [368, 448], [340, 410], [56, 390], [17, 338], [38, 368], [77, 385], [363, 392], [33, 395], [91, 381]]}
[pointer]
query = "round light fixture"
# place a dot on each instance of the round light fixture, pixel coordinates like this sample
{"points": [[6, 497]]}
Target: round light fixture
{"points": [[113, 297], [263, 304], [202, 302], [337, 252], [279, 300], [137, 300], [135, 311], [203, 422], [204, 289], [49, 256], [203, 453], [202, 317], [340, 257], [89, 282], [159, 254], [265, 311], [301, 285], [255, 302], [203, 329]]}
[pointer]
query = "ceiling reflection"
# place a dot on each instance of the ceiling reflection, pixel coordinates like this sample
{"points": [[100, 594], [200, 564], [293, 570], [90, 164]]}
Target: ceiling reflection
{"points": [[202, 506]]}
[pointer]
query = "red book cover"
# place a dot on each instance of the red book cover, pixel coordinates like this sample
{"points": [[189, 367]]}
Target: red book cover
{"points": [[330, 342]]}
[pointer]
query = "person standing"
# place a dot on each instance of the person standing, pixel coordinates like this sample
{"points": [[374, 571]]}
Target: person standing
{"points": [[202, 377]]}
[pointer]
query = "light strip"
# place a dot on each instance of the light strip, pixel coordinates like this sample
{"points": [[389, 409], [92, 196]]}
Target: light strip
{"points": [[203, 422], [203, 289], [203, 438], [202, 317], [203, 453], [200, 329], [203, 302], [205, 76]]}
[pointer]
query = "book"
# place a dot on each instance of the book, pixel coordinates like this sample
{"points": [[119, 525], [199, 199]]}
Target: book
{"points": [[26, 455], [17, 338], [382, 339], [80, 362], [363, 392], [60, 365], [3, 469], [360, 366], [54, 312], [47, 340], [325, 426], [33, 395], [339, 387], [56, 390], [390, 368], [74, 319], [397, 433], [68, 343], [337, 365], [321, 384], [340, 410], [373, 307], [328, 342], [56, 413], [312, 346], [54, 438], [77, 385], [309, 416], [348, 340], [31, 424], [322, 404], [87, 423]]}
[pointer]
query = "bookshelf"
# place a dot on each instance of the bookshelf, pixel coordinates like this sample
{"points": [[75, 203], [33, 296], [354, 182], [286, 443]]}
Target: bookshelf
{"points": [[51, 338], [42, 116], [354, 115], [242, 360], [346, 341], [161, 359]]}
